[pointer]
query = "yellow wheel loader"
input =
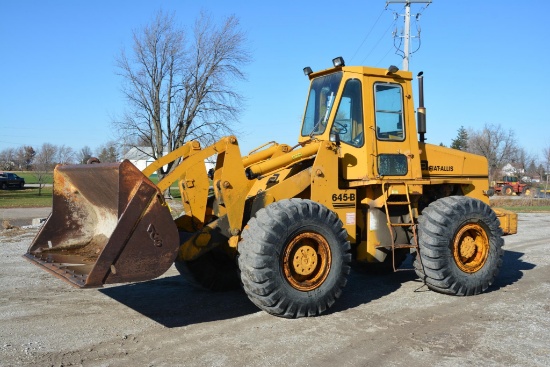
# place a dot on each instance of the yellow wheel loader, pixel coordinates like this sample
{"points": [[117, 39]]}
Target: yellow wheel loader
{"points": [[360, 187]]}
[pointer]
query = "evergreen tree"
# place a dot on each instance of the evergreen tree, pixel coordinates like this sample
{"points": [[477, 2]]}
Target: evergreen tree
{"points": [[461, 140]]}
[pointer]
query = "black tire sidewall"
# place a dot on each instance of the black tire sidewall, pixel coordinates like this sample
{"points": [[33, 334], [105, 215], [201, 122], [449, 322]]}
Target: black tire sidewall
{"points": [[438, 266], [263, 246], [477, 279]]}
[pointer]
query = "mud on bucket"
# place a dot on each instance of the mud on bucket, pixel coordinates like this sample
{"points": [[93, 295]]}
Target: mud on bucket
{"points": [[109, 224]]}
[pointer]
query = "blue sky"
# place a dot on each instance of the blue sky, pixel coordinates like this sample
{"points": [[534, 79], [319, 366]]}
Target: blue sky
{"points": [[483, 62]]}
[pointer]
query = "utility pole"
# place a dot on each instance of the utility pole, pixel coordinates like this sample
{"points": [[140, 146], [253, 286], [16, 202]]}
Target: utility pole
{"points": [[407, 29]]}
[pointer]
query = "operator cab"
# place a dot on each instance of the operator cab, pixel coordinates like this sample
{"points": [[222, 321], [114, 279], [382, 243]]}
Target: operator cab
{"points": [[369, 113]]}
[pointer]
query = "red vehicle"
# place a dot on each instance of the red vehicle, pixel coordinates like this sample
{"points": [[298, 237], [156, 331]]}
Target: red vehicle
{"points": [[510, 186]]}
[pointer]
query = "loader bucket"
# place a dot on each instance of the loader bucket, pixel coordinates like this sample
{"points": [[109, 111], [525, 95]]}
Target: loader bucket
{"points": [[109, 224]]}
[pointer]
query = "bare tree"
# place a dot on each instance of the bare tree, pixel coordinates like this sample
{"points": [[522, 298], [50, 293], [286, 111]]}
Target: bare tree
{"points": [[7, 159], [179, 89], [546, 162], [65, 155], [84, 154], [532, 168], [494, 143], [44, 163], [522, 160], [546, 157], [25, 156]]}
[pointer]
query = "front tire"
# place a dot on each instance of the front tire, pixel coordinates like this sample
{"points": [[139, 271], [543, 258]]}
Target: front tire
{"points": [[294, 258], [460, 246]]}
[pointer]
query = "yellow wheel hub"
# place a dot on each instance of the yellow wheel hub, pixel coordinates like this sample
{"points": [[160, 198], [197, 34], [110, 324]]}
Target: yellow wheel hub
{"points": [[306, 261], [471, 248], [468, 247]]}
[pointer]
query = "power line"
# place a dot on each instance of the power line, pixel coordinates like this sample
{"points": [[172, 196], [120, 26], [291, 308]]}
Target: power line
{"points": [[376, 44], [383, 57], [368, 33]]}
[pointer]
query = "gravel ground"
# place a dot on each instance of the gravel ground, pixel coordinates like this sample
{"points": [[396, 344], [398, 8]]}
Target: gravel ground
{"points": [[23, 216], [379, 320]]}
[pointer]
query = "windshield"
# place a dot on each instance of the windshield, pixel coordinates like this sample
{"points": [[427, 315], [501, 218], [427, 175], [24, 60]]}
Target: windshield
{"points": [[319, 103]]}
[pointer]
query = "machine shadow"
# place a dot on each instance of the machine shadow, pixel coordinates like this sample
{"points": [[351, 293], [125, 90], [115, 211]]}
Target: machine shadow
{"points": [[363, 287], [511, 271], [172, 302]]}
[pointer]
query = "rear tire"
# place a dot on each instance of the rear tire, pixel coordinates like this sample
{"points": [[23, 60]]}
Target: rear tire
{"points": [[507, 190], [294, 258], [214, 270], [460, 246]]}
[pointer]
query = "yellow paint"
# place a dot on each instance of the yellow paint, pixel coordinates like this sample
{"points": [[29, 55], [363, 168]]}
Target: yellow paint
{"points": [[330, 173]]}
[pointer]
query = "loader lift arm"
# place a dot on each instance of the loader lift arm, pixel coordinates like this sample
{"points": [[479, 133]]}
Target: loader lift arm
{"points": [[229, 180]]}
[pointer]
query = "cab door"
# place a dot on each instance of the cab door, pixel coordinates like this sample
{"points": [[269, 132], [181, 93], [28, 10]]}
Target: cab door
{"points": [[390, 126], [349, 126]]}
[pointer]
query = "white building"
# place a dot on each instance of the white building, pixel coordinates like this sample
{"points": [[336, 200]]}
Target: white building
{"points": [[142, 157], [510, 170]]}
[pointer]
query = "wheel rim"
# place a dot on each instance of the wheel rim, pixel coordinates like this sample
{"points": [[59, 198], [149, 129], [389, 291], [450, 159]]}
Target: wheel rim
{"points": [[508, 191], [306, 261], [527, 192], [471, 248]]}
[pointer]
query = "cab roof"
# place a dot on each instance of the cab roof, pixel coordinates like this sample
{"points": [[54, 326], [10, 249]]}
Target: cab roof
{"points": [[364, 70]]}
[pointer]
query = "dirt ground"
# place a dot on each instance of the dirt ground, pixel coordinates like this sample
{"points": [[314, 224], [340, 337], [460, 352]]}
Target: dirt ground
{"points": [[379, 320]]}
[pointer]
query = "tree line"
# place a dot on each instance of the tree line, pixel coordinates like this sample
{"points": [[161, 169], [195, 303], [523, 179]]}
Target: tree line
{"points": [[179, 84], [501, 148], [42, 160], [47, 156]]}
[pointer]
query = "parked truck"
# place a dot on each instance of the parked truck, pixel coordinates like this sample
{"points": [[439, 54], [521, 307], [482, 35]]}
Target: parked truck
{"points": [[8, 179], [361, 186]]}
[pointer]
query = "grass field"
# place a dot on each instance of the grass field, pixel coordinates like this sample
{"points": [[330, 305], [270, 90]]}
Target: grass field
{"points": [[30, 178], [26, 198], [522, 205], [29, 198]]}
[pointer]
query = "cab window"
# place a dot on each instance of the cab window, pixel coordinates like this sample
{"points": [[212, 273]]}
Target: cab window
{"points": [[322, 94], [388, 99], [348, 123]]}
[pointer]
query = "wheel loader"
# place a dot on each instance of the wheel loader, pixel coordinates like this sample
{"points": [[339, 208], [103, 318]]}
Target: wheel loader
{"points": [[360, 188]]}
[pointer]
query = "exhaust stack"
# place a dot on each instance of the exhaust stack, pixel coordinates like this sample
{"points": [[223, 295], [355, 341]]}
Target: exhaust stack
{"points": [[421, 111]]}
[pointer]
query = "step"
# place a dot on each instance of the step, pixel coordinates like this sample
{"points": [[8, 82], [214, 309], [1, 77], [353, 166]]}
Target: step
{"points": [[402, 224], [398, 246]]}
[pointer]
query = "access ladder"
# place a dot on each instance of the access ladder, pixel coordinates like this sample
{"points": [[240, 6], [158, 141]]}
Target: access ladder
{"points": [[386, 186]]}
